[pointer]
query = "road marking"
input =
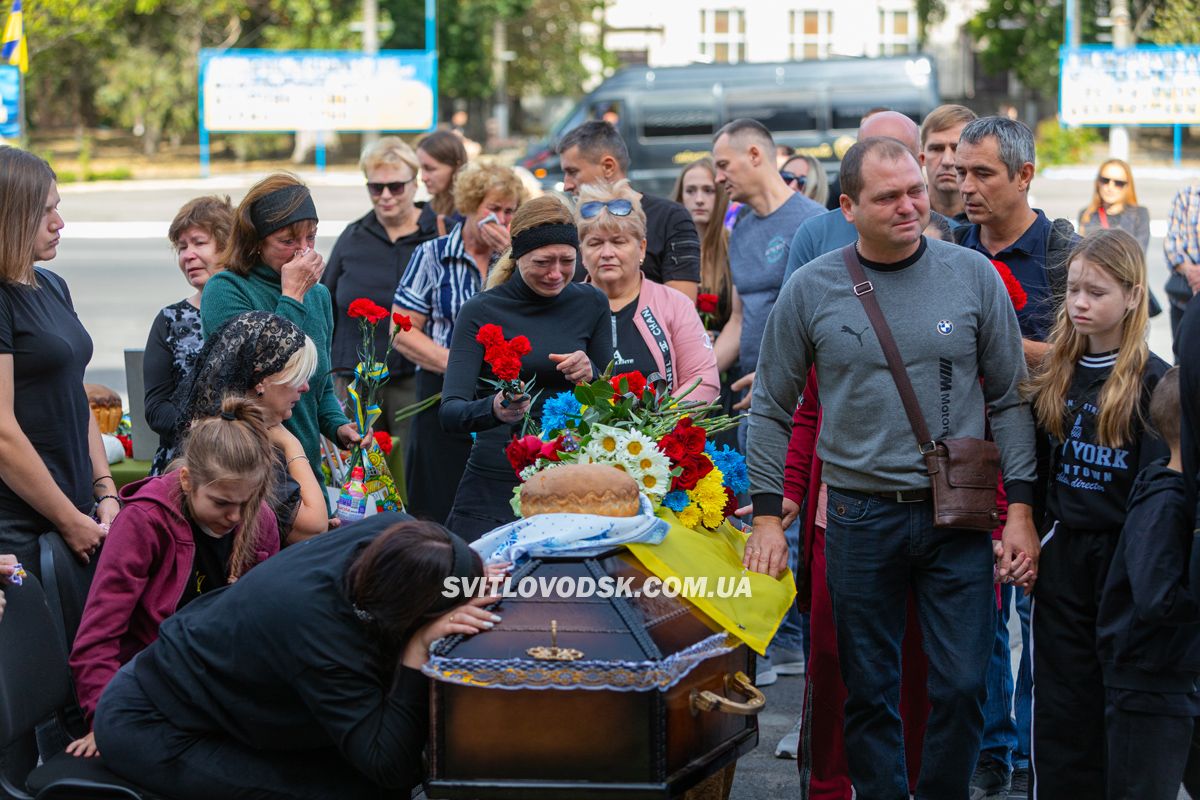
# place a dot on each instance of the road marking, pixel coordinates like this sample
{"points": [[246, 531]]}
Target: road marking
{"points": [[158, 230]]}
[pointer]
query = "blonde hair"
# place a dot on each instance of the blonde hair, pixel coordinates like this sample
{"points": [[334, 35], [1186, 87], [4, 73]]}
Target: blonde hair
{"points": [[242, 252], [633, 223], [715, 276], [1096, 203], [391, 151], [544, 210], [219, 449], [816, 182], [477, 179], [25, 181], [1120, 257], [300, 367]]}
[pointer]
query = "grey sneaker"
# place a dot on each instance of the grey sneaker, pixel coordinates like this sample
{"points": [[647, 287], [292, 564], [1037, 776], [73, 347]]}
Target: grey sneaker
{"points": [[765, 674], [1019, 788], [789, 745], [991, 778], [787, 661]]}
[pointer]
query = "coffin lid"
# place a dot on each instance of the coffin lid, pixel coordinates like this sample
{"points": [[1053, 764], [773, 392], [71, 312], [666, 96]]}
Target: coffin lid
{"points": [[626, 643]]}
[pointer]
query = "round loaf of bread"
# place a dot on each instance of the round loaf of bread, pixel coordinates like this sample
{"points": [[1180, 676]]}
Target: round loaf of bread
{"points": [[580, 489]]}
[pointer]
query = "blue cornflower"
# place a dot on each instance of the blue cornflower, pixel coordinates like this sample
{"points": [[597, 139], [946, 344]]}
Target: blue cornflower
{"points": [[732, 465], [676, 501], [558, 410]]}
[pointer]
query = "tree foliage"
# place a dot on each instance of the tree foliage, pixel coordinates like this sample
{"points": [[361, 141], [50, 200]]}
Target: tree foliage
{"points": [[1176, 22], [134, 63]]}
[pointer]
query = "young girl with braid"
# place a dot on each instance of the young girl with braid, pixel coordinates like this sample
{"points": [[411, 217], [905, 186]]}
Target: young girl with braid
{"points": [[179, 535]]}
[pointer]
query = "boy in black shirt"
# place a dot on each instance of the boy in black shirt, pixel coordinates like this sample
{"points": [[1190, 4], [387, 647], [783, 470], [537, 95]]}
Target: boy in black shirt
{"points": [[1148, 629]]}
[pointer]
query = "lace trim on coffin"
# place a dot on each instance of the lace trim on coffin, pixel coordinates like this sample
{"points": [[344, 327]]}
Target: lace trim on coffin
{"points": [[618, 676]]}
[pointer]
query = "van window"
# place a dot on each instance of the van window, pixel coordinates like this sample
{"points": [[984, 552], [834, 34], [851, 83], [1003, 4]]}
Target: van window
{"points": [[780, 113], [691, 115], [848, 109]]}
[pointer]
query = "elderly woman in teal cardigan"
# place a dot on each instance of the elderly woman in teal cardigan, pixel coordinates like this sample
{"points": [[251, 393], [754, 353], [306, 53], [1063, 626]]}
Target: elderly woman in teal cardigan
{"points": [[270, 264]]}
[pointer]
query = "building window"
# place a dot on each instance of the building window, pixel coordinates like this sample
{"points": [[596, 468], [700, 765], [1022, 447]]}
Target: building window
{"points": [[897, 32], [723, 35], [811, 34]]}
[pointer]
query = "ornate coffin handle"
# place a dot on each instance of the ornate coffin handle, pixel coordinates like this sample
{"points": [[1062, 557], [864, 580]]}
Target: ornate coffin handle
{"points": [[737, 682]]}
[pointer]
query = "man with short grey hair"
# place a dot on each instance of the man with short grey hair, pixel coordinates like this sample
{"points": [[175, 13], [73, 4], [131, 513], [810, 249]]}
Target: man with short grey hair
{"points": [[958, 337]]}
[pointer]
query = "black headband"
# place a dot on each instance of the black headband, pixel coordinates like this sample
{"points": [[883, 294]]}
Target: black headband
{"points": [[531, 239], [269, 213]]}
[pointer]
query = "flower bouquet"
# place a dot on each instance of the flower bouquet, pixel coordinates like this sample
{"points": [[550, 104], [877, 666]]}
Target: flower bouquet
{"points": [[634, 423]]}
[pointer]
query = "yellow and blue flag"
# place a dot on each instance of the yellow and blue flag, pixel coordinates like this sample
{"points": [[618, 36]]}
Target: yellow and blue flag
{"points": [[15, 51]]}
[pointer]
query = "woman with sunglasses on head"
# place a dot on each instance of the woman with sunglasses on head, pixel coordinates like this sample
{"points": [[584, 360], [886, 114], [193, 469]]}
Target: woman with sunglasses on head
{"points": [[368, 260], [442, 275], [530, 293], [1115, 205], [805, 174], [271, 264], [655, 328]]}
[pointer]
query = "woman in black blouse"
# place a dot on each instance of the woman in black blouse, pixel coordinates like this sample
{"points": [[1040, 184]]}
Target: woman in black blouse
{"points": [[1115, 204], [530, 293], [53, 469], [198, 233]]}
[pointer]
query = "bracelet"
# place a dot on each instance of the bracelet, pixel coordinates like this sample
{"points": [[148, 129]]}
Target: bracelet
{"points": [[288, 463], [102, 498], [103, 478]]}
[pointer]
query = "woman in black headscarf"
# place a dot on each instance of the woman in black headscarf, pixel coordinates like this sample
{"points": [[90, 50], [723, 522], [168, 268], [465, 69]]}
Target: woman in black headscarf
{"points": [[270, 360]]}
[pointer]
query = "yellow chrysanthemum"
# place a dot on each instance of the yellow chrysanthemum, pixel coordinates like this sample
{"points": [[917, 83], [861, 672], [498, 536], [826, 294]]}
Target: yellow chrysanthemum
{"points": [[690, 517]]}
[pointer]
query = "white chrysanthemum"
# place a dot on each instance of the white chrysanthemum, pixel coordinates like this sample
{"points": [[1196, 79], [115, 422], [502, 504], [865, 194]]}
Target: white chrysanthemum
{"points": [[634, 445], [656, 481], [606, 440]]}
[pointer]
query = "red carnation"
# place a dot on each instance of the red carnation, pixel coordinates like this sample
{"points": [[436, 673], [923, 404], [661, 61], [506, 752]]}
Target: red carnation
{"points": [[1016, 292], [634, 381], [490, 335], [707, 303], [731, 503], [365, 308], [519, 346], [403, 323], [384, 440], [506, 368], [523, 452]]}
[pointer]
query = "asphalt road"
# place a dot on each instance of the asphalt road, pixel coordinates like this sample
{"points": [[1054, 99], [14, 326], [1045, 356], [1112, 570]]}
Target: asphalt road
{"points": [[121, 271]]}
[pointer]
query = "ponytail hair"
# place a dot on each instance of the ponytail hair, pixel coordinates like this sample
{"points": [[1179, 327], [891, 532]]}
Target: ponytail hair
{"points": [[544, 210], [234, 445]]}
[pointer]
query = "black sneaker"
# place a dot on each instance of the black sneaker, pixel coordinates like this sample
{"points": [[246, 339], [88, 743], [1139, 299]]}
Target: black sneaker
{"points": [[991, 778], [1019, 789]]}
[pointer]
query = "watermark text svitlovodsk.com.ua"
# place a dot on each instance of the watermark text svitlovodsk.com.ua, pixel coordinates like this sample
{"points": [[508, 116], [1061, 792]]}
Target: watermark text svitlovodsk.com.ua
{"points": [[604, 587]]}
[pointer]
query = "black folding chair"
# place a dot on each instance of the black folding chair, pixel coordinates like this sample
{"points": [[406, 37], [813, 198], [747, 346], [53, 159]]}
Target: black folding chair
{"points": [[35, 690]]}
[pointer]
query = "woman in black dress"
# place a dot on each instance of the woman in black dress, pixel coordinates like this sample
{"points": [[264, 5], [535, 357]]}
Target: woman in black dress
{"points": [[198, 233], [53, 469], [531, 294]]}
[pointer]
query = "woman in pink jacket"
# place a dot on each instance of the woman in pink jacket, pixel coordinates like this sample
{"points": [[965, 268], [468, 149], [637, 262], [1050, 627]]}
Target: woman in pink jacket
{"points": [[178, 536], [655, 328]]}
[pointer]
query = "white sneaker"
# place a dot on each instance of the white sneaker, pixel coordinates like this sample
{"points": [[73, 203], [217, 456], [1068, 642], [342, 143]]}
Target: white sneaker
{"points": [[787, 661], [765, 674], [789, 745]]}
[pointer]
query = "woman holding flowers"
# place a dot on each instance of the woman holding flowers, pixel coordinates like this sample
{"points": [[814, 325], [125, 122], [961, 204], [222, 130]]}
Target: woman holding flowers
{"points": [[534, 330], [442, 275], [654, 328], [270, 264]]}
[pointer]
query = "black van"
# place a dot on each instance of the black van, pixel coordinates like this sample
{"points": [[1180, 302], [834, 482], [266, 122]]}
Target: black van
{"points": [[668, 115]]}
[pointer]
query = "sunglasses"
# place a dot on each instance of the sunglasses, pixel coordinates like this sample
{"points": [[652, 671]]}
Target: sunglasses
{"points": [[1106, 181], [790, 177], [395, 187], [618, 208]]}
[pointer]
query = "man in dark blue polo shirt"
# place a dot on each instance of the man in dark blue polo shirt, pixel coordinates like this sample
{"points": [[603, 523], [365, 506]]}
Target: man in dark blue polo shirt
{"points": [[995, 165]]}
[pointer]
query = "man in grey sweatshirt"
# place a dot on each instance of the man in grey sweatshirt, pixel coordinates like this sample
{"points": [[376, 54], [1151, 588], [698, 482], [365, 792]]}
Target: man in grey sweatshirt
{"points": [[956, 330]]}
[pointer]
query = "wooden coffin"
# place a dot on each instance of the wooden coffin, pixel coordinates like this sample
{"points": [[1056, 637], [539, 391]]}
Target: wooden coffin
{"points": [[625, 720]]}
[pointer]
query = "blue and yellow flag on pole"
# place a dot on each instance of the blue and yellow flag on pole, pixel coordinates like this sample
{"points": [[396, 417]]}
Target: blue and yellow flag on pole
{"points": [[15, 50]]}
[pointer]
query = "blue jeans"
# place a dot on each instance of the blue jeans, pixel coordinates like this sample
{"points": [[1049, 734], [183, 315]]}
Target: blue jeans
{"points": [[999, 728], [790, 633], [876, 549]]}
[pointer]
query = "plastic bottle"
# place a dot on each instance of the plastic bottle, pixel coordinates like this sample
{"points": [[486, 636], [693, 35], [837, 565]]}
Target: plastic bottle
{"points": [[352, 503]]}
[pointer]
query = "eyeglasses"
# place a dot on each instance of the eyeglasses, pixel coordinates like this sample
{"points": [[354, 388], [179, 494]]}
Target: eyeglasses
{"points": [[789, 177], [1106, 181], [395, 187], [618, 208]]}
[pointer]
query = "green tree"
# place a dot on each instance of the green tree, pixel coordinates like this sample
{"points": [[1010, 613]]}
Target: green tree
{"points": [[1176, 22]]}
